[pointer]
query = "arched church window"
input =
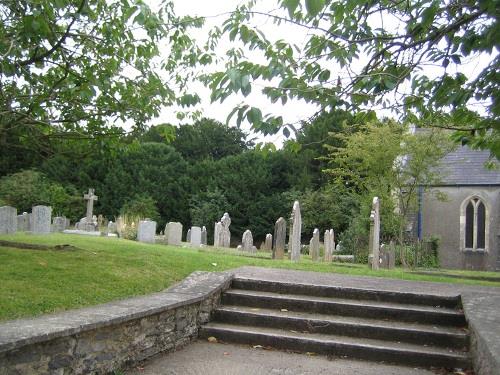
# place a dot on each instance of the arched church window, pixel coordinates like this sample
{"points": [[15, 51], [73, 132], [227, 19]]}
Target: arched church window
{"points": [[474, 231]]}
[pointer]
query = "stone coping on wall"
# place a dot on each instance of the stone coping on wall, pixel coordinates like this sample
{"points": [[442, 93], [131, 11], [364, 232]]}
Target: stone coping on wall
{"points": [[195, 288]]}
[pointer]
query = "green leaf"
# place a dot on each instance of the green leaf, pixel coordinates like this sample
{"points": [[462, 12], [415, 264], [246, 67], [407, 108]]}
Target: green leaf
{"points": [[291, 6], [313, 7], [254, 116]]}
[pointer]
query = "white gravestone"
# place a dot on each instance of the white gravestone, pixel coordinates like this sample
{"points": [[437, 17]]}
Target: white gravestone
{"points": [[268, 244], [226, 234], [146, 231], [247, 241], [296, 232], [8, 220], [188, 236], [218, 235], [204, 236], [314, 246], [173, 233], [195, 236], [40, 219], [328, 246], [375, 233]]}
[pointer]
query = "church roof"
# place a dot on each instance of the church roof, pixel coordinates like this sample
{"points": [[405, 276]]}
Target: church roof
{"points": [[467, 167]]}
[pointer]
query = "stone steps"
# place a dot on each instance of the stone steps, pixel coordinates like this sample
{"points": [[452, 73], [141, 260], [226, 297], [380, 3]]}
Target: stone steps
{"points": [[367, 349], [404, 328], [345, 307], [424, 334]]}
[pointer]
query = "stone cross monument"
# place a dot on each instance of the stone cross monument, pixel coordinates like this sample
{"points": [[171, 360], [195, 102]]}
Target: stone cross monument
{"points": [[90, 198]]}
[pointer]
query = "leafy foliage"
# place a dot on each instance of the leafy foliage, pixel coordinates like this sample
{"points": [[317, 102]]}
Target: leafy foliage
{"points": [[79, 69], [360, 55], [29, 188], [142, 206]]}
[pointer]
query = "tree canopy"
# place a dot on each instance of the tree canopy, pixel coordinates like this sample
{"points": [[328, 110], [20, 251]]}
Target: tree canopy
{"points": [[84, 68], [406, 55]]}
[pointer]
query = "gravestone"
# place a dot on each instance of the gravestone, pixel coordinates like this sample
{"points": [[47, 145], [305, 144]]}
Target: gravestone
{"points": [[296, 232], [195, 236], [89, 222], [239, 248], [375, 233], [328, 246], [204, 236], [23, 222], [268, 244], [146, 231], [188, 236], [112, 228], [226, 234], [387, 256], [247, 241], [59, 223], [218, 234], [332, 240], [173, 233], [8, 220], [40, 219], [279, 239], [314, 246]]}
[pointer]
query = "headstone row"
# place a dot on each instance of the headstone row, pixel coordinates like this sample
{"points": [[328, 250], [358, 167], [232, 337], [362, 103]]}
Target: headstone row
{"points": [[38, 222]]}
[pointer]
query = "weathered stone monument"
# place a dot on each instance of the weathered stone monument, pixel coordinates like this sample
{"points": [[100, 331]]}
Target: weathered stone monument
{"points": [[314, 246], [41, 219], [146, 231], [387, 256], [226, 234], [59, 223], [195, 236], [328, 246], [295, 232], [247, 241], [279, 239], [375, 233], [23, 222], [173, 233], [204, 235], [218, 234], [268, 243], [112, 227], [188, 236], [89, 222], [8, 220]]}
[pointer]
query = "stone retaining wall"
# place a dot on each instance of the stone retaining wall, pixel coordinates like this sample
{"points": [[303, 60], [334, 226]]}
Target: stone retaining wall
{"points": [[483, 316], [108, 337]]}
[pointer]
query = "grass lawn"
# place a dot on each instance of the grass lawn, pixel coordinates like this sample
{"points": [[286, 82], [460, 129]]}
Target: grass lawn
{"points": [[34, 282]]}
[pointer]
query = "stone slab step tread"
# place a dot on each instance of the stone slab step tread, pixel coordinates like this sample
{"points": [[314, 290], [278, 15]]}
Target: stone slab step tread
{"points": [[361, 303], [338, 345], [283, 287], [358, 322]]}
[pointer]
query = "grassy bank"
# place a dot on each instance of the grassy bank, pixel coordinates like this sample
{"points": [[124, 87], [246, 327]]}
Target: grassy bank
{"points": [[98, 270]]}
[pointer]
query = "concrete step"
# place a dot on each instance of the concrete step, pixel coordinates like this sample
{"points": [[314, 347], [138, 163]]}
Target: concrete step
{"points": [[346, 307], [347, 293], [368, 349], [423, 334]]}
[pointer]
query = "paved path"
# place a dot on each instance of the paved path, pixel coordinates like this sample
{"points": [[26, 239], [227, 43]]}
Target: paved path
{"points": [[204, 358]]}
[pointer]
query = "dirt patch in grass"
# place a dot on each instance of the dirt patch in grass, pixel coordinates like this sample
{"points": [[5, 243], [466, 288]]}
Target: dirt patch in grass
{"points": [[29, 246]]}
